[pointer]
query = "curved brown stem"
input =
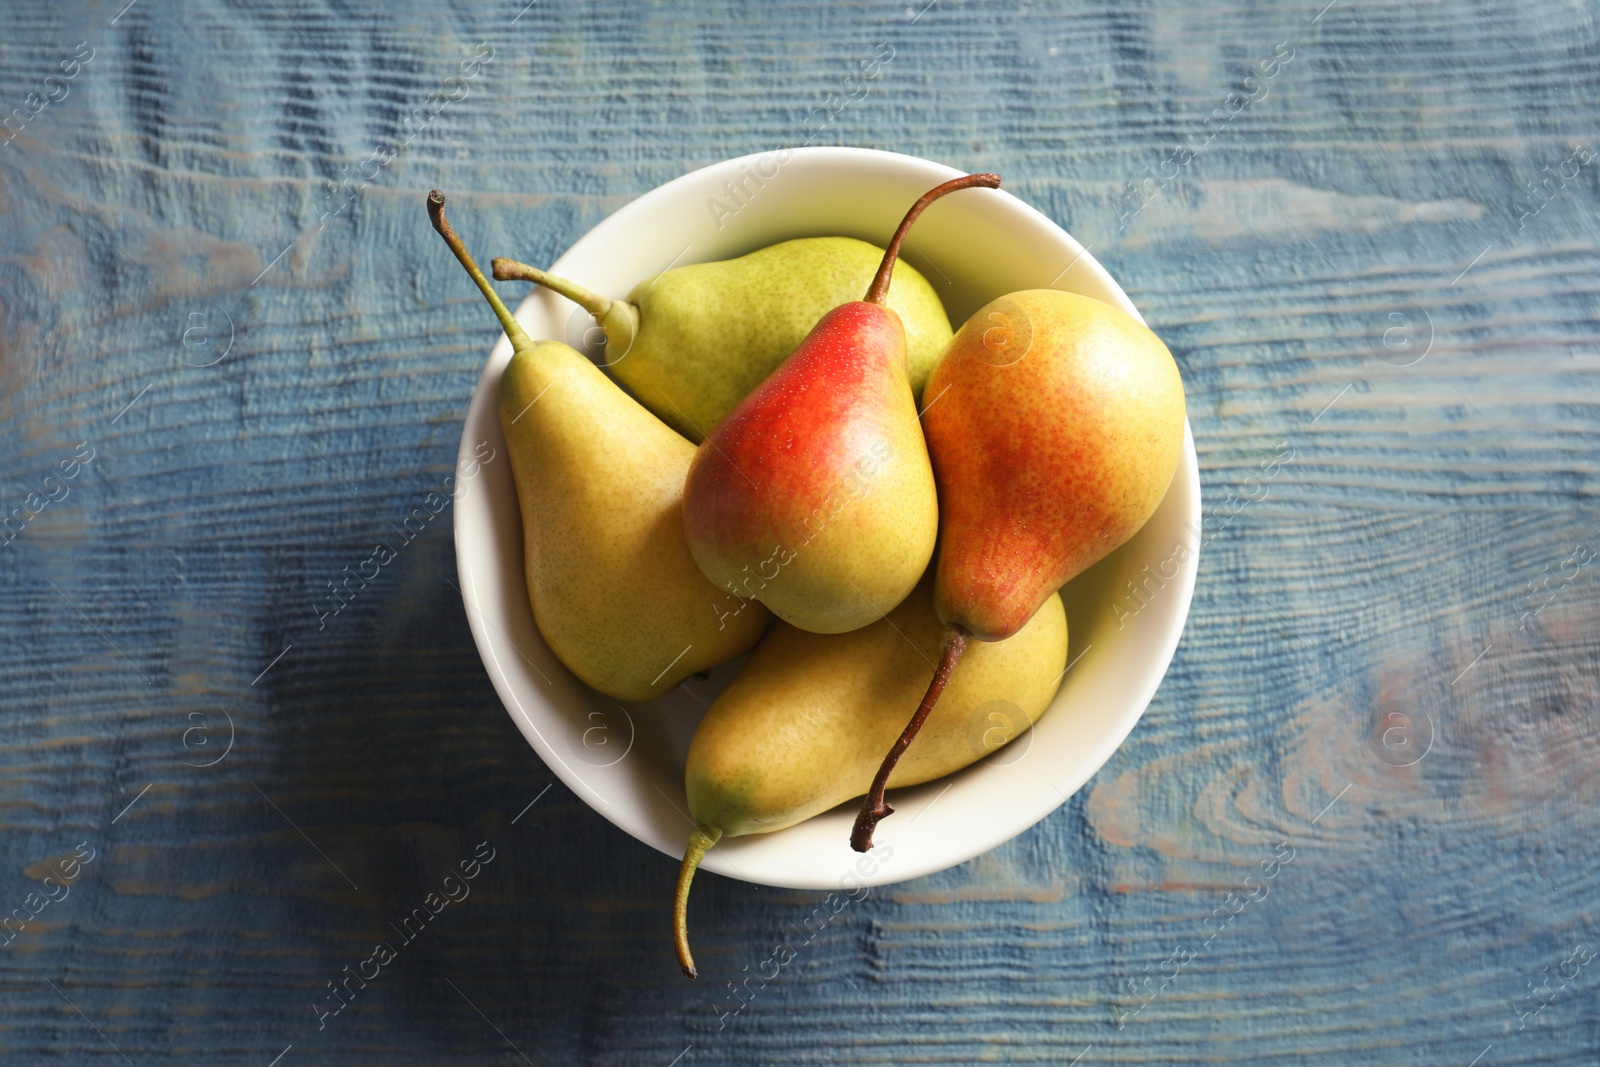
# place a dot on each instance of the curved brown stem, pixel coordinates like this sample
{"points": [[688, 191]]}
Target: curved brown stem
{"points": [[878, 291], [874, 809]]}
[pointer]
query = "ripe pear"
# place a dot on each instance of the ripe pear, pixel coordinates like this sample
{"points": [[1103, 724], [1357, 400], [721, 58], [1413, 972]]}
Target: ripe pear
{"points": [[798, 729], [1055, 423], [691, 342], [815, 495], [614, 590]]}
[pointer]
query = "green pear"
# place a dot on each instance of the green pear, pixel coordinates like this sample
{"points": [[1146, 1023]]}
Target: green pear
{"points": [[691, 342], [599, 479], [799, 730]]}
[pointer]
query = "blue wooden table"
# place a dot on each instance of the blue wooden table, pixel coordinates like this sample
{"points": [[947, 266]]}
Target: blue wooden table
{"points": [[1358, 823]]}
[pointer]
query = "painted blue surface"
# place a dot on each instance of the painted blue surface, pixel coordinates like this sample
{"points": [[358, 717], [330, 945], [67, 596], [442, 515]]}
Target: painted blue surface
{"points": [[1375, 261]]}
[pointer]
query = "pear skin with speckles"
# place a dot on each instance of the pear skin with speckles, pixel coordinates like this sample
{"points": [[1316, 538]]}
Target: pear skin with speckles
{"points": [[806, 721], [814, 496], [709, 333], [1057, 431], [599, 479]]}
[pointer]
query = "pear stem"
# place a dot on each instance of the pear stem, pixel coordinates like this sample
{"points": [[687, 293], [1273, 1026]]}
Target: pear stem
{"points": [[699, 841], [519, 339], [878, 292], [874, 809], [509, 270]]}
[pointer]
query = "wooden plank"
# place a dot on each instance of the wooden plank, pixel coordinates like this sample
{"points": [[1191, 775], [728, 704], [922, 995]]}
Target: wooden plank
{"points": [[178, 193]]}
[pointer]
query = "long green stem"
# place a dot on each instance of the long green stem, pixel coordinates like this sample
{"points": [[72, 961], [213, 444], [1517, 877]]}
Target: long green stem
{"points": [[519, 339], [510, 270], [878, 291], [617, 318], [699, 841]]}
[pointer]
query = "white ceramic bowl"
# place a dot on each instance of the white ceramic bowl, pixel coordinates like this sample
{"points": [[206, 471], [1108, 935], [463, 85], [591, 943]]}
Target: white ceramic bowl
{"points": [[627, 761]]}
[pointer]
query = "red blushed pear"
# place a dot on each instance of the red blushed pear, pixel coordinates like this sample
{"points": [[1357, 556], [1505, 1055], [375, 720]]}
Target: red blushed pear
{"points": [[1054, 423], [815, 495]]}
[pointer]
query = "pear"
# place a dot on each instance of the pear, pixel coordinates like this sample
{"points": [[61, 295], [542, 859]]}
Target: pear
{"points": [[815, 495], [798, 729], [691, 342], [599, 479], [1055, 423]]}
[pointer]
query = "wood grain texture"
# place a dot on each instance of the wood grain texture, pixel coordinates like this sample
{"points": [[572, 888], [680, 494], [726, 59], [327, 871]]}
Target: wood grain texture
{"points": [[174, 205]]}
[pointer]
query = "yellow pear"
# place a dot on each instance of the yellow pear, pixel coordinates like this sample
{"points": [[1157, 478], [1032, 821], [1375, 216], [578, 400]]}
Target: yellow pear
{"points": [[614, 590], [802, 727]]}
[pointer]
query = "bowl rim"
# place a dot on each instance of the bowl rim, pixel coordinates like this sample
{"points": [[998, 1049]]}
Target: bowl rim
{"points": [[1018, 818]]}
